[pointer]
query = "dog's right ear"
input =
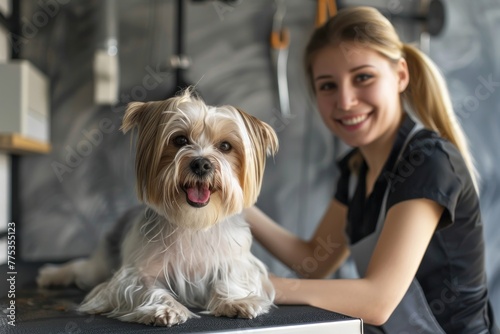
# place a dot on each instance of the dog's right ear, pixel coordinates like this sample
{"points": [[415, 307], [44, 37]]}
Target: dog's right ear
{"points": [[133, 115]]}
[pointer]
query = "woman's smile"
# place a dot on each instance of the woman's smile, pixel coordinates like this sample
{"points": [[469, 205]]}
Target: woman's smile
{"points": [[354, 122]]}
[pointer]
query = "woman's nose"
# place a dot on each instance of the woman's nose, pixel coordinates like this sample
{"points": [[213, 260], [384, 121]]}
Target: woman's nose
{"points": [[346, 97]]}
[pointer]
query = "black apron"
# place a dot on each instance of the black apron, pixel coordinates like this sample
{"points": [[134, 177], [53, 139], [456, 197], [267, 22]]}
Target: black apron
{"points": [[413, 314]]}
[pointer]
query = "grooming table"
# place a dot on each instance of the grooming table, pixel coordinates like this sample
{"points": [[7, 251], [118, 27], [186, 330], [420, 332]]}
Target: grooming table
{"points": [[52, 311]]}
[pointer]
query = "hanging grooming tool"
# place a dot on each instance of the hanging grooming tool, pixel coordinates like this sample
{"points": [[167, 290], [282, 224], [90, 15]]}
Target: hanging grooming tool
{"points": [[280, 40], [430, 14], [106, 66], [325, 10]]}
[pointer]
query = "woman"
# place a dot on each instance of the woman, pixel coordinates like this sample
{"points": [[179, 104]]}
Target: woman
{"points": [[405, 208]]}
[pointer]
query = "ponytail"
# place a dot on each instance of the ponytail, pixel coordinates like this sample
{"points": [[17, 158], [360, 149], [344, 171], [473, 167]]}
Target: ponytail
{"points": [[429, 99]]}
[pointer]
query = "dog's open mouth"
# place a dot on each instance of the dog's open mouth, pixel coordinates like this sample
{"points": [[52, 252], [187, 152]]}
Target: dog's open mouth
{"points": [[198, 195]]}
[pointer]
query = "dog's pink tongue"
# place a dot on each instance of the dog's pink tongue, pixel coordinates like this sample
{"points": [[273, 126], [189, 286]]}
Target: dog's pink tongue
{"points": [[199, 194]]}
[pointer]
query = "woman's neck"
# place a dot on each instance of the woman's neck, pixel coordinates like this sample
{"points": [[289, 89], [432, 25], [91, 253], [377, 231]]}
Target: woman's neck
{"points": [[377, 152]]}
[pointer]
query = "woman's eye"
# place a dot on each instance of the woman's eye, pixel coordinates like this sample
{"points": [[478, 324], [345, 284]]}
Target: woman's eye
{"points": [[363, 77], [326, 86], [180, 141], [225, 146]]}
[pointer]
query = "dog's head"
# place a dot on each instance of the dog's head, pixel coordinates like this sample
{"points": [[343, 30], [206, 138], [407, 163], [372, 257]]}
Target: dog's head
{"points": [[197, 164]]}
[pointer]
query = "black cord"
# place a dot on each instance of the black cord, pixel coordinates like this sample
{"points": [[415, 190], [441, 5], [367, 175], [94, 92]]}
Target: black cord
{"points": [[180, 83], [180, 28], [15, 29], [15, 206]]}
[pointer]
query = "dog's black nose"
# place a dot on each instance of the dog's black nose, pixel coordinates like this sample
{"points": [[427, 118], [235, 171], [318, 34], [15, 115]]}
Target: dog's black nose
{"points": [[201, 166]]}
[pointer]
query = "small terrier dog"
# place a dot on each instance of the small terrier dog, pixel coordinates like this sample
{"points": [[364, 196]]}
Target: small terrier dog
{"points": [[197, 168]]}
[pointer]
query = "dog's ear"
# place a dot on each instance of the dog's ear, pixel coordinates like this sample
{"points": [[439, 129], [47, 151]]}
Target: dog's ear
{"points": [[143, 114], [261, 133], [264, 142], [133, 115]]}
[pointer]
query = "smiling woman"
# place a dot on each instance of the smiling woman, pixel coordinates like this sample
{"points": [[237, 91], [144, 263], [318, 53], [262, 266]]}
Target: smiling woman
{"points": [[405, 207], [358, 97]]}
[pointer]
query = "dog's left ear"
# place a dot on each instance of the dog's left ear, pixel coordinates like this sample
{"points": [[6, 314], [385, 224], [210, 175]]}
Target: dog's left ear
{"points": [[264, 143], [132, 116]]}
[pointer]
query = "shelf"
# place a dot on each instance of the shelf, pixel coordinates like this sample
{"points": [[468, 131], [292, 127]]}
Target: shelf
{"points": [[18, 144]]}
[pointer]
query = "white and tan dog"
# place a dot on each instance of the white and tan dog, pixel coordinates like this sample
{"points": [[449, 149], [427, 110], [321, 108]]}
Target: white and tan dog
{"points": [[197, 167]]}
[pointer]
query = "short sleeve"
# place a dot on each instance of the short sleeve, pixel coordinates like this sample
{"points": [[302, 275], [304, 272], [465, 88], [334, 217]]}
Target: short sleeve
{"points": [[428, 170]]}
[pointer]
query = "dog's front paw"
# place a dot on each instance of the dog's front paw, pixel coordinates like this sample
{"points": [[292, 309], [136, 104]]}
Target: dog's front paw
{"points": [[169, 314], [53, 275], [248, 308]]}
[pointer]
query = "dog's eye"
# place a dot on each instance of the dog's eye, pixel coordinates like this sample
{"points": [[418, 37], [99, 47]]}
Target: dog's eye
{"points": [[225, 146], [180, 141]]}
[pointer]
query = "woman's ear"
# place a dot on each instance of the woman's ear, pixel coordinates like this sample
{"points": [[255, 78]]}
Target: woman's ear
{"points": [[403, 74]]}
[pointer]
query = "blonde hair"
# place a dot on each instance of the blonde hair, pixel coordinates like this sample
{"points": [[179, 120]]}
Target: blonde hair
{"points": [[426, 95]]}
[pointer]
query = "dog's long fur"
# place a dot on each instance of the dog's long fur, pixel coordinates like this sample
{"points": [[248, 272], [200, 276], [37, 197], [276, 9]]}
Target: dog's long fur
{"points": [[189, 247]]}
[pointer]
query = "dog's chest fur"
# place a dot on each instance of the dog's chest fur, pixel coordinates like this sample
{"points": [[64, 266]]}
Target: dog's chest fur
{"points": [[188, 261]]}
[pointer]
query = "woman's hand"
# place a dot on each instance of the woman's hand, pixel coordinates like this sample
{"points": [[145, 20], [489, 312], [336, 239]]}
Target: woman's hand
{"points": [[285, 287]]}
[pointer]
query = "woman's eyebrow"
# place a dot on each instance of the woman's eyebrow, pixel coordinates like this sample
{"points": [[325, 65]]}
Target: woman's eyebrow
{"points": [[329, 76], [354, 69], [323, 76]]}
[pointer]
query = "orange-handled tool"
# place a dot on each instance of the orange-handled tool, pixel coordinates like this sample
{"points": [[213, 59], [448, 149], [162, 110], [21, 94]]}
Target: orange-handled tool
{"points": [[325, 10], [280, 40]]}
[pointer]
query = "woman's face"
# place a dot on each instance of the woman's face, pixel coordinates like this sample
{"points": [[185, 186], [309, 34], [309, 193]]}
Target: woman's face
{"points": [[357, 92]]}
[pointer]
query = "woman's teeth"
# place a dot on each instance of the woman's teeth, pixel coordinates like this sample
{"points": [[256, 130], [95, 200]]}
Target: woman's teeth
{"points": [[354, 120]]}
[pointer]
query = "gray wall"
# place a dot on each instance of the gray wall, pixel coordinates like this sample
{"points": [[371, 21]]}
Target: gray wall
{"points": [[65, 211]]}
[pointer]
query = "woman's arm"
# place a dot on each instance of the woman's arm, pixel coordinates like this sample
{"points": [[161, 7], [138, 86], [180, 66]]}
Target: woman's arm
{"points": [[405, 236], [315, 258]]}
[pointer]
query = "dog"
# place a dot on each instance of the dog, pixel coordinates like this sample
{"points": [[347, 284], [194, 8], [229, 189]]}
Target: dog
{"points": [[197, 167]]}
